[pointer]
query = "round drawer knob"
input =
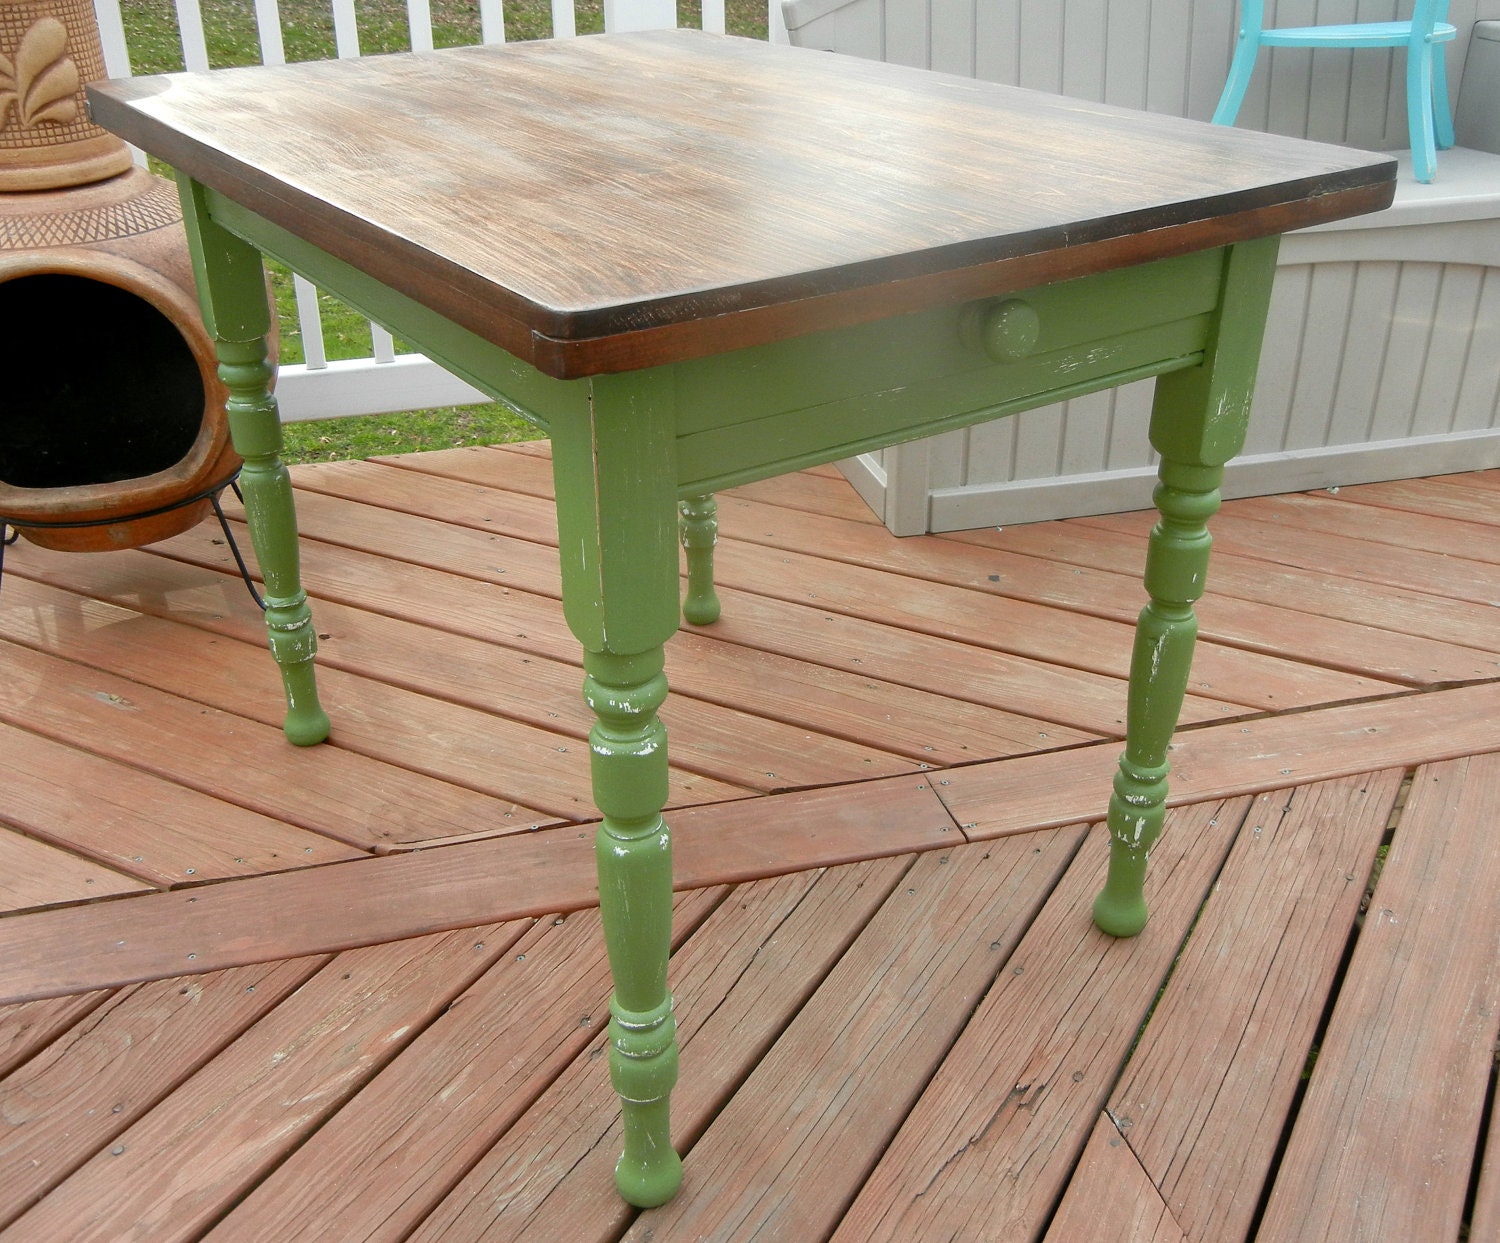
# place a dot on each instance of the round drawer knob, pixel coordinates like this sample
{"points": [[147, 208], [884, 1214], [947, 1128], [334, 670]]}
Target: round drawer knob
{"points": [[1007, 330]]}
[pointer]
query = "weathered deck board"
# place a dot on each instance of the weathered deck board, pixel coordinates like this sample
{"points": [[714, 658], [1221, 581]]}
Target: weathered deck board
{"points": [[1456, 496], [1446, 536], [178, 1168], [1448, 576], [115, 1065], [1336, 622], [740, 979], [29, 1026], [365, 901], [342, 795], [1109, 1191], [141, 824], [1022, 1086], [1012, 796], [387, 652], [798, 1140], [1422, 998], [990, 564], [1117, 597], [33, 874], [1204, 1099], [1384, 608], [778, 624], [381, 1164], [447, 1092]]}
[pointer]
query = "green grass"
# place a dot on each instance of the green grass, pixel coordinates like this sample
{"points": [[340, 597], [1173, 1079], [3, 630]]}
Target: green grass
{"points": [[307, 34]]}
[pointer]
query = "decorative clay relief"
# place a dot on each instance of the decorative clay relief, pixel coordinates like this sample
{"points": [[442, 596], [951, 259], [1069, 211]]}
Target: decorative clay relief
{"points": [[40, 84]]}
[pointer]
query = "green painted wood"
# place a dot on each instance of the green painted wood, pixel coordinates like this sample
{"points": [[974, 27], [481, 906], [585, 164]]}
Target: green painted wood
{"points": [[617, 530], [700, 532], [1197, 423], [812, 371], [872, 418], [232, 293], [527, 391]]}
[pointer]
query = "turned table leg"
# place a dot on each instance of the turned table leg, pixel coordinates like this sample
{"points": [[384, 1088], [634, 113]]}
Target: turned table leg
{"points": [[613, 464], [700, 533], [232, 295], [1197, 424]]}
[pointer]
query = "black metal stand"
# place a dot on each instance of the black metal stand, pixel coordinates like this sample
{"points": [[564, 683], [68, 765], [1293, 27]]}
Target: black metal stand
{"points": [[211, 494]]}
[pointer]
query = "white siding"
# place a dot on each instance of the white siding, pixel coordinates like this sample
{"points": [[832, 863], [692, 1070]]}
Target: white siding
{"points": [[1383, 344]]}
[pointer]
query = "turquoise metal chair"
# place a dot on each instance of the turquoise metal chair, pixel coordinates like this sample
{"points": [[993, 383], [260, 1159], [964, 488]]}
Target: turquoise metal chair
{"points": [[1427, 113]]}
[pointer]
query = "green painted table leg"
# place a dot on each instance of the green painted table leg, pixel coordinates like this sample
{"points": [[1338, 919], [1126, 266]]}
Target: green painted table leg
{"points": [[1197, 424], [614, 466], [700, 532], [1176, 564], [232, 294]]}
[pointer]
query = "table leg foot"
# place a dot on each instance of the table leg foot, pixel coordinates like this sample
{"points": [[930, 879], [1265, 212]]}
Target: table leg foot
{"points": [[643, 1055], [700, 533]]}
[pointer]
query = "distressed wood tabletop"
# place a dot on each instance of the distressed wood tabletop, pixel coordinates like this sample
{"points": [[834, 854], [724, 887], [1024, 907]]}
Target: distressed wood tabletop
{"points": [[612, 202]]}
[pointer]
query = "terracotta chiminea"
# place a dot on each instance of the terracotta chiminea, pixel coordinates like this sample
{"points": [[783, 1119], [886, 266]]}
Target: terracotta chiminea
{"points": [[112, 425]]}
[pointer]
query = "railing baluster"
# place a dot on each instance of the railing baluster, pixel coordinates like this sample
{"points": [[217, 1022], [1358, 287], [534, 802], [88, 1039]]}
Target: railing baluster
{"points": [[190, 28], [419, 21], [345, 29], [492, 21], [314, 354], [268, 27]]}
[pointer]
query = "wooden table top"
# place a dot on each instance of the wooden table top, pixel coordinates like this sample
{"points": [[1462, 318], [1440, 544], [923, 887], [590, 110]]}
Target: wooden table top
{"points": [[617, 201]]}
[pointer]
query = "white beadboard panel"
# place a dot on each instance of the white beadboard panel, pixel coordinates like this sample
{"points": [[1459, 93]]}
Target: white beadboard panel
{"points": [[1479, 389], [1368, 370], [962, 509], [1165, 55], [1306, 418], [1450, 347]]}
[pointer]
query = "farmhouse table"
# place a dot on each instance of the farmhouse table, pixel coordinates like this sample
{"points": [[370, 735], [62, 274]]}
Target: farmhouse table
{"points": [[697, 261]]}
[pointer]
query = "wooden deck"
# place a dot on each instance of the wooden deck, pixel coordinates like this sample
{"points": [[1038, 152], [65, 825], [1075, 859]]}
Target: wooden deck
{"points": [[358, 992]]}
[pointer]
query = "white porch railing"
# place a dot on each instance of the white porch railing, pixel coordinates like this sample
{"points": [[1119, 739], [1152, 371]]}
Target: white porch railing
{"points": [[383, 381]]}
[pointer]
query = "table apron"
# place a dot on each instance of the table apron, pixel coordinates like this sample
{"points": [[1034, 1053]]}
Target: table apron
{"points": [[760, 411]]}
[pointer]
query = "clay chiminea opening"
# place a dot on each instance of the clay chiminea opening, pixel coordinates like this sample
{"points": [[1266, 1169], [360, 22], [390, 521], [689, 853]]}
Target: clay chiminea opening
{"points": [[112, 425], [129, 404]]}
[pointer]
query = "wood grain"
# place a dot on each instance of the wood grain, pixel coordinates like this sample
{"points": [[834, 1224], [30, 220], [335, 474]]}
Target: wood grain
{"points": [[644, 226], [179, 1167], [1204, 1099], [102, 1076], [28, 1026], [1270, 753], [1373, 1154], [738, 981], [384, 1161], [1287, 613], [1023, 1085], [137, 822], [796, 1142], [257, 919], [1110, 1191]]}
